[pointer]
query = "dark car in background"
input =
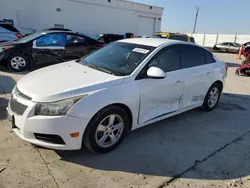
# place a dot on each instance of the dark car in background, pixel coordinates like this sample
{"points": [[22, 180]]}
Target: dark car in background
{"points": [[47, 47], [8, 32], [173, 36], [227, 47], [108, 37]]}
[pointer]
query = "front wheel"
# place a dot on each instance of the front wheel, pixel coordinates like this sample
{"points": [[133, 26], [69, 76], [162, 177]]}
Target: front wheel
{"points": [[106, 129], [212, 97]]}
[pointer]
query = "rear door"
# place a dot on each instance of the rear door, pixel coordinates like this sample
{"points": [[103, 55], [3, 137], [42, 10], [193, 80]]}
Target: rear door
{"points": [[49, 48], [197, 75], [224, 46], [78, 45], [232, 47]]}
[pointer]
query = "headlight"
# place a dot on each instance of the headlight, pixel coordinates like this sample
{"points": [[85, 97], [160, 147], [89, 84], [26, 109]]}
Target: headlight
{"points": [[59, 108], [5, 48]]}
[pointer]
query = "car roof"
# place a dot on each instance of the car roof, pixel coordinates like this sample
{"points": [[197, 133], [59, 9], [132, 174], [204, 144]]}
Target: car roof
{"points": [[155, 42], [57, 31]]}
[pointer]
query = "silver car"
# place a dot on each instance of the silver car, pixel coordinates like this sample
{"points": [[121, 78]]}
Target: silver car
{"points": [[8, 32], [227, 47]]}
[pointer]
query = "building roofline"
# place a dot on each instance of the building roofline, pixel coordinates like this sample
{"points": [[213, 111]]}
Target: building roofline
{"points": [[143, 4]]}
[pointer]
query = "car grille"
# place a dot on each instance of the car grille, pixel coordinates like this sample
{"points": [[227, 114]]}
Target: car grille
{"points": [[17, 107]]}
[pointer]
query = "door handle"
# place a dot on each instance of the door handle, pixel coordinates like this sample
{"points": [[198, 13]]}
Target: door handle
{"points": [[178, 82], [208, 73]]}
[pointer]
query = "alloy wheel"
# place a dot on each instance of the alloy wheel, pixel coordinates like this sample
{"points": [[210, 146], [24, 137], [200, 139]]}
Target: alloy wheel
{"points": [[213, 97], [109, 131]]}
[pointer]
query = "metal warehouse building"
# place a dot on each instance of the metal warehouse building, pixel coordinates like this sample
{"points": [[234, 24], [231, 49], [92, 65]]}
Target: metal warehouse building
{"points": [[86, 16]]}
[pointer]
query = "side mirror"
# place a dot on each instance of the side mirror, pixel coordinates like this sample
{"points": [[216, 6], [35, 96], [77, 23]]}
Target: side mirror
{"points": [[156, 73]]}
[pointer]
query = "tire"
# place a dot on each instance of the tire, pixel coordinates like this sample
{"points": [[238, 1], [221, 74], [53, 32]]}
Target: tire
{"points": [[93, 137], [207, 105], [17, 62]]}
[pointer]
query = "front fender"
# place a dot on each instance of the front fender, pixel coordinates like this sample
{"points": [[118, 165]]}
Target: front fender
{"points": [[125, 93]]}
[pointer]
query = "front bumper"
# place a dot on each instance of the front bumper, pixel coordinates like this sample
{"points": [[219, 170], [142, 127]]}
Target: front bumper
{"points": [[2, 58], [27, 126]]}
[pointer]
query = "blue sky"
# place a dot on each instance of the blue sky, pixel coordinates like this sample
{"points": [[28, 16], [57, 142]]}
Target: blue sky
{"points": [[222, 16]]}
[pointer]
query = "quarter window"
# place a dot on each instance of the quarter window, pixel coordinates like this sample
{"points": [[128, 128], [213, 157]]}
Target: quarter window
{"points": [[168, 59], [50, 40], [192, 56], [209, 57]]}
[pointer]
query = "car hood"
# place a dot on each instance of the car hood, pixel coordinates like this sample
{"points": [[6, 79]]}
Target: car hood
{"points": [[10, 43], [64, 81]]}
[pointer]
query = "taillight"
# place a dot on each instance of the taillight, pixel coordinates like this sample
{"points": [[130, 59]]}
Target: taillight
{"points": [[18, 35], [6, 47], [99, 45]]}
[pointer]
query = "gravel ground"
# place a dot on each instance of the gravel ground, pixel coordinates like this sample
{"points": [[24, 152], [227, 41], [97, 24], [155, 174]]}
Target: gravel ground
{"points": [[194, 149]]}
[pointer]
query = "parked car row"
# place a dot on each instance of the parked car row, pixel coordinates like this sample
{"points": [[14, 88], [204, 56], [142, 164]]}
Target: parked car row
{"points": [[174, 36], [46, 47]]}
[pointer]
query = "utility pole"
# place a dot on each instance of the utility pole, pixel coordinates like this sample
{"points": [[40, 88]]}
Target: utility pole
{"points": [[196, 17]]}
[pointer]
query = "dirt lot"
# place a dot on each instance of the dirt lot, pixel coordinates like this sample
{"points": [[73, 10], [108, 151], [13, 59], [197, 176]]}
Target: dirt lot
{"points": [[194, 149]]}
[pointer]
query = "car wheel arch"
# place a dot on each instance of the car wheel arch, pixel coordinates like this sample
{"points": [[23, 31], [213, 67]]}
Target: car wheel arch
{"points": [[121, 105], [220, 83]]}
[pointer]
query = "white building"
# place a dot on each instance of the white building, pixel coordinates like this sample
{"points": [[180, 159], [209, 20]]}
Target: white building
{"points": [[86, 16]]}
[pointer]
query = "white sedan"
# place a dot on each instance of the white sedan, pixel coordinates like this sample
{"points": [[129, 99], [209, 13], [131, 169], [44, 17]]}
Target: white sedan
{"points": [[98, 100]]}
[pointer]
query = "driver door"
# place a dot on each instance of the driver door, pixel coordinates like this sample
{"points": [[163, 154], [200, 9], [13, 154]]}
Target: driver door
{"points": [[49, 49], [160, 97]]}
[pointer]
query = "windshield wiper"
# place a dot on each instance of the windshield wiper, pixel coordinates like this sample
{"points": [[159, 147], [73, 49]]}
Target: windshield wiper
{"points": [[99, 68]]}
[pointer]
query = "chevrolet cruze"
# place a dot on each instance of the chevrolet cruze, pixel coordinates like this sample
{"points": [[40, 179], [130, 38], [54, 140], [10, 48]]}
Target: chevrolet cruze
{"points": [[97, 100]]}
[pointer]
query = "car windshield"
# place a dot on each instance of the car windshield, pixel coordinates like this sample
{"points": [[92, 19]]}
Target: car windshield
{"points": [[31, 37], [118, 58]]}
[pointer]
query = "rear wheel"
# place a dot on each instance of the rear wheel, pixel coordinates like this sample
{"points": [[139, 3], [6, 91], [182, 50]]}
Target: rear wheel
{"points": [[212, 97], [17, 62], [107, 129]]}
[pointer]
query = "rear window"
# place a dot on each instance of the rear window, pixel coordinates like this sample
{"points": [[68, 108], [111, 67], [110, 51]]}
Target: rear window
{"points": [[158, 36], [9, 27]]}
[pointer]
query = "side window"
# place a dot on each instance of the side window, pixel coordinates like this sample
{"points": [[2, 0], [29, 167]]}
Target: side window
{"points": [[75, 39], [168, 59], [192, 56], [231, 45], [209, 57], [53, 39]]}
